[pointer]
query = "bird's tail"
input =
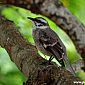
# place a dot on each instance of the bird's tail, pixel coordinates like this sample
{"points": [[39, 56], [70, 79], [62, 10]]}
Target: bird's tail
{"points": [[68, 65]]}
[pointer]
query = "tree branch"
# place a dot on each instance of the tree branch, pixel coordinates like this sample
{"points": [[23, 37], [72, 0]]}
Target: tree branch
{"points": [[25, 56], [55, 10]]}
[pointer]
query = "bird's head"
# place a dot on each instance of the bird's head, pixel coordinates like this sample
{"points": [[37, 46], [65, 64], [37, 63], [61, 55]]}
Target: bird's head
{"points": [[39, 22]]}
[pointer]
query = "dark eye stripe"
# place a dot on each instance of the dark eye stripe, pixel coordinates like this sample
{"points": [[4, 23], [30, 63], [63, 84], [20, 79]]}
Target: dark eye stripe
{"points": [[41, 21]]}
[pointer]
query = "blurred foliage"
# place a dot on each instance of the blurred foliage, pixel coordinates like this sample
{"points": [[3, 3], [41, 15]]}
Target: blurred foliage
{"points": [[77, 7], [9, 74]]}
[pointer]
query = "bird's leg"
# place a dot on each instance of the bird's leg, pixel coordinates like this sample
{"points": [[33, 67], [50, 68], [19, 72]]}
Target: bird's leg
{"points": [[47, 61], [51, 58]]}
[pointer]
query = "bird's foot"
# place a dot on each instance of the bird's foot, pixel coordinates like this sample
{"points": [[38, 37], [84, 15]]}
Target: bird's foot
{"points": [[51, 58]]}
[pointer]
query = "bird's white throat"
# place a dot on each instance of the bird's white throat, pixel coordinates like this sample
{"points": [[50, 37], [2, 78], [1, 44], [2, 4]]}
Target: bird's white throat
{"points": [[42, 27]]}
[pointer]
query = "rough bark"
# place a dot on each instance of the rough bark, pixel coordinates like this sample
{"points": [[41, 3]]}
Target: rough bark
{"points": [[55, 10], [25, 56]]}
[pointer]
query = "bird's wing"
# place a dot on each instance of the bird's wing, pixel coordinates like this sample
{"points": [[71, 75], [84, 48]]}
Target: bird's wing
{"points": [[37, 33], [54, 35], [57, 55], [52, 45], [62, 51]]}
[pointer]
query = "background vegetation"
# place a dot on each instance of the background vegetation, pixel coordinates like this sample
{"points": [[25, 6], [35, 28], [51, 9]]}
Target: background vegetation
{"points": [[9, 73]]}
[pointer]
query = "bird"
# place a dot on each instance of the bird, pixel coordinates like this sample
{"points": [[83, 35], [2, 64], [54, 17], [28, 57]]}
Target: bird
{"points": [[49, 43]]}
